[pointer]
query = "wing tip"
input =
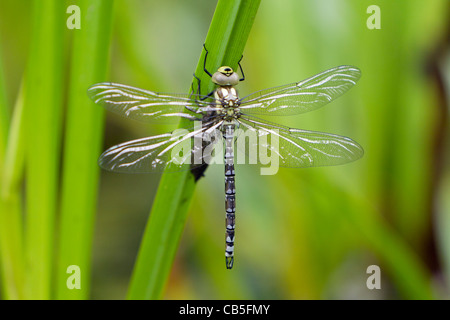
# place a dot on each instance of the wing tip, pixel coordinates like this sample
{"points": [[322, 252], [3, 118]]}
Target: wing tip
{"points": [[91, 90], [355, 71]]}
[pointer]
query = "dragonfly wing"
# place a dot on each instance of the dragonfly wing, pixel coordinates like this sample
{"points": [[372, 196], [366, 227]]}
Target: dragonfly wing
{"points": [[303, 96], [175, 151], [146, 105], [299, 148]]}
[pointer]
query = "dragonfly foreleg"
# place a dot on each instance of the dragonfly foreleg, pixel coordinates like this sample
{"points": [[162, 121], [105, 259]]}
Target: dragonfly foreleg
{"points": [[240, 67], [198, 89], [204, 62]]}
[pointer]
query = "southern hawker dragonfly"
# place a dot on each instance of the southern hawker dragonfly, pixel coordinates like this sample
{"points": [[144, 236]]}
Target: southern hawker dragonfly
{"points": [[223, 111]]}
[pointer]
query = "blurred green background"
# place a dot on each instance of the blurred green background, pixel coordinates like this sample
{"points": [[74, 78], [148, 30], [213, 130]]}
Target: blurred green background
{"points": [[302, 233]]}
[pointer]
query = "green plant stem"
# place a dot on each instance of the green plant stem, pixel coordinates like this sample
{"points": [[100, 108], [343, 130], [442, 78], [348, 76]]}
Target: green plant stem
{"points": [[225, 42], [43, 107], [83, 141]]}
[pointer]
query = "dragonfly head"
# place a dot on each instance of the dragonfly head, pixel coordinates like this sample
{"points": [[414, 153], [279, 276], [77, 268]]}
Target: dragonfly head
{"points": [[225, 76]]}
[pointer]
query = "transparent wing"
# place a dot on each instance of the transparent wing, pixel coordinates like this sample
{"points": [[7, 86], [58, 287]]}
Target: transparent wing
{"points": [[146, 105], [295, 147], [303, 96], [175, 151]]}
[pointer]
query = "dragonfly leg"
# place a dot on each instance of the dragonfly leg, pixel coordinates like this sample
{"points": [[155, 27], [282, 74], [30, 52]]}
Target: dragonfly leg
{"points": [[198, 84], [209, 73], [240, 67], [198, 89], [192, 110], [192, 84], [204, 62], [208, 95]]}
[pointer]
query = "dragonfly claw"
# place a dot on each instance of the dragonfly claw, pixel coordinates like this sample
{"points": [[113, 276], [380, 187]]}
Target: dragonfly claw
{"points": [[229, 262]]}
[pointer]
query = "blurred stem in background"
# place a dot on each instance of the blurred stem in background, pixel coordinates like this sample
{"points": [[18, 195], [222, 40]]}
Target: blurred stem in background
{"points": [[11, 172], [38, 118], [4, 114], [435, 72], [44, 87], [82, 145]]}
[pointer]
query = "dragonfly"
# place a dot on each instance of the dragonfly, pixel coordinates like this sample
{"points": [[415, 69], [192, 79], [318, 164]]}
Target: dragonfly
{"points": [[224, 111]]}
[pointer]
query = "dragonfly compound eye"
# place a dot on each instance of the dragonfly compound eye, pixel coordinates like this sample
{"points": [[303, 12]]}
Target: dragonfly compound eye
{"points": [[225, 78], [226, 70]]}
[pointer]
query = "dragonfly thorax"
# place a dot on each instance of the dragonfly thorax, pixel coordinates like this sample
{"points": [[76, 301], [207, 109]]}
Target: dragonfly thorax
{"points": [[227, 97]]}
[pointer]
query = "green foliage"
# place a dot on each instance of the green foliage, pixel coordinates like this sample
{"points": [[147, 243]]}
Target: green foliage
{"points": [[83, 143], [35, 134], [43, 121]]}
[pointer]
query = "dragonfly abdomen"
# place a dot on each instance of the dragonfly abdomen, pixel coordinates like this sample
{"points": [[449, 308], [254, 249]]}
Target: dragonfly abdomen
{"points": [[230, 194]]}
